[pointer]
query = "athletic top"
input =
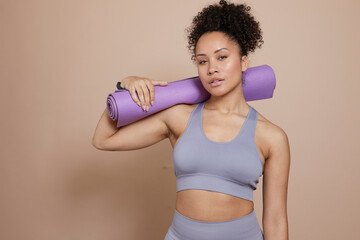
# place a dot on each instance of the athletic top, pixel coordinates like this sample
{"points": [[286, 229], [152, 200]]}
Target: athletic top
{"points": [[232, 167]]}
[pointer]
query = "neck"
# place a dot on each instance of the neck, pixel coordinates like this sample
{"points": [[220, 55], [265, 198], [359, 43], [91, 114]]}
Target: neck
{"points": [[232, 102]]}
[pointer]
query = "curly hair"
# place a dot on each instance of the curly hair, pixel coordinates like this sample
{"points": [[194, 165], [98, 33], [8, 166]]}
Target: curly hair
{"points": [[235, 21]]}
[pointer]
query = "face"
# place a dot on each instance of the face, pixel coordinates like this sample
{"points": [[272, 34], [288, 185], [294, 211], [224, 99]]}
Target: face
{"points": [[218, 58]]}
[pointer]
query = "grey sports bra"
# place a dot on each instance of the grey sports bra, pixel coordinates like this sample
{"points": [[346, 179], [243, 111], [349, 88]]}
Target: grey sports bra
{"points": [[232, 167]]}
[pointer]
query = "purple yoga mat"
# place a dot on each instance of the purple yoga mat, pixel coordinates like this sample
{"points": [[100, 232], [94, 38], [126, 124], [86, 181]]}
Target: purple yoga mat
{"points": [[259, 83]]}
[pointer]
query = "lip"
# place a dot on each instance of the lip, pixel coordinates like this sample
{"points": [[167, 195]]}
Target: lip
{"points": [[213, 79]]}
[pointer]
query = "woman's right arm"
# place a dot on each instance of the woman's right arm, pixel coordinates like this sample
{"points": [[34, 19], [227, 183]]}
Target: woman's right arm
{"points": [[139, 134]]}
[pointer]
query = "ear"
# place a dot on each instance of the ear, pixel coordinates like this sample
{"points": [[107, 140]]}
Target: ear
{"points": [[244, 63]]}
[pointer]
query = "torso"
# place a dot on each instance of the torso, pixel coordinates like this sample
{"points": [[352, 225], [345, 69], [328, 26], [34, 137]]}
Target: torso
{"points": [[212, 206]]}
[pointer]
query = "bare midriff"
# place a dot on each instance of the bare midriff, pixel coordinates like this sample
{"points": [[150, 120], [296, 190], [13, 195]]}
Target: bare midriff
{"points": [[209, 206]]}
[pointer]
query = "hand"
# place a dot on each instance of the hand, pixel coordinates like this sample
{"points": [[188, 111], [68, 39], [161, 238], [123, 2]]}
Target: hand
{"points": [[144, 88]]}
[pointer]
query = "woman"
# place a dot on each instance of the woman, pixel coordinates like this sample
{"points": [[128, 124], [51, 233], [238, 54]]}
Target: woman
{"points": [[218, 156]]}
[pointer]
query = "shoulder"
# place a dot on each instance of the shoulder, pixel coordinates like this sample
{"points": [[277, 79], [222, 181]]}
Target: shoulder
{"points": [[176, 117], [177, 111], [273, 136]]}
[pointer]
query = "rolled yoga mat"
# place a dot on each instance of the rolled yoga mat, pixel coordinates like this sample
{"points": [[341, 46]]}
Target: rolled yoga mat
{"points": [[259, 83]]}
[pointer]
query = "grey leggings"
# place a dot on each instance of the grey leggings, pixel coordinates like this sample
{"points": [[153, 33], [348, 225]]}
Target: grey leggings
{"points": [[242, 228]]}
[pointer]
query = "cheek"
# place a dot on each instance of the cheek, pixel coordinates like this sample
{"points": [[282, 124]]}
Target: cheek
{"points": [[201, 70], [202, 73], [233, 67]]}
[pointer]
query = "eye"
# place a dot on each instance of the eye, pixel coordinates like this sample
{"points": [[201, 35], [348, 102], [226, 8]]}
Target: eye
{"points": [[222, 57], [202, 62]]}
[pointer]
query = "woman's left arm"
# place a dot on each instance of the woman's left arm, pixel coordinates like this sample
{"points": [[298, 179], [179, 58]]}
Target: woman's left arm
{"points": [[275, 185]]}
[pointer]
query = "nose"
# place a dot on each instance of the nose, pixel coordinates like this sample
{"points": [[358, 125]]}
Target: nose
{"points": [[212, 68]]}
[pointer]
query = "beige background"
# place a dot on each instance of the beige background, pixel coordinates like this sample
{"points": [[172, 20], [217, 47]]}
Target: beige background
{"points": [[60, 59]]}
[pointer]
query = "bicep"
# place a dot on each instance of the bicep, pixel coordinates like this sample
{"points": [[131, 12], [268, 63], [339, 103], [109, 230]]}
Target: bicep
{"points": [[275, 179], [140, 134]]}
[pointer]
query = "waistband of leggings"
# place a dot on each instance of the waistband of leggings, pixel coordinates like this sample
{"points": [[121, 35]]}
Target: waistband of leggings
{"points": [[242, 218]]}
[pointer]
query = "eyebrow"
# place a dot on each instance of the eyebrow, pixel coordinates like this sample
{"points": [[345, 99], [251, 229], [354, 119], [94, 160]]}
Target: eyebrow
{"points": [[218, 50]]}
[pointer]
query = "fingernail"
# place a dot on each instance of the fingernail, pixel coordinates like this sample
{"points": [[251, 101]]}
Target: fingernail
{"points": [[143, 107], [152, 103]]}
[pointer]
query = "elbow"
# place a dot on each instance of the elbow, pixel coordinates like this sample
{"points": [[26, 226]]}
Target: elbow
{"points": [[101, 146], [97, 144]]}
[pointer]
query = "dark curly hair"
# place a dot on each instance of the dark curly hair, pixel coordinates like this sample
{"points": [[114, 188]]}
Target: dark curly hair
{"points": [[233, 20]]}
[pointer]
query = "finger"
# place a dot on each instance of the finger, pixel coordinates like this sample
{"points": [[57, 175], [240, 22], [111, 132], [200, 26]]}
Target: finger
{"points": [[152, 91], [157, 82], [134, 96], [140, 92], [146, 94]]}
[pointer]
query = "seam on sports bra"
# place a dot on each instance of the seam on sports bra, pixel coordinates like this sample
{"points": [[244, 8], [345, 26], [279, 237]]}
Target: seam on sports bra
{"points": [[259, 158], [187, 125], [255, 147], [211, 175]]}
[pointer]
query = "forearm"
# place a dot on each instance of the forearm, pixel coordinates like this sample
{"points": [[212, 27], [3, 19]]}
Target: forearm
{"points": [[276, 231], [105, 128]]}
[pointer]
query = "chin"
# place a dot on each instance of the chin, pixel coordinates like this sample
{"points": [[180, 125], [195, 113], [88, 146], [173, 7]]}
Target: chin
{"points": [[216, 92]]}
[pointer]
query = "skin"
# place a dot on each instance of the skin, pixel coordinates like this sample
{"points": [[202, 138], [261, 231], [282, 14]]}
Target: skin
{"points": [[223, 115], [218, 57]]}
